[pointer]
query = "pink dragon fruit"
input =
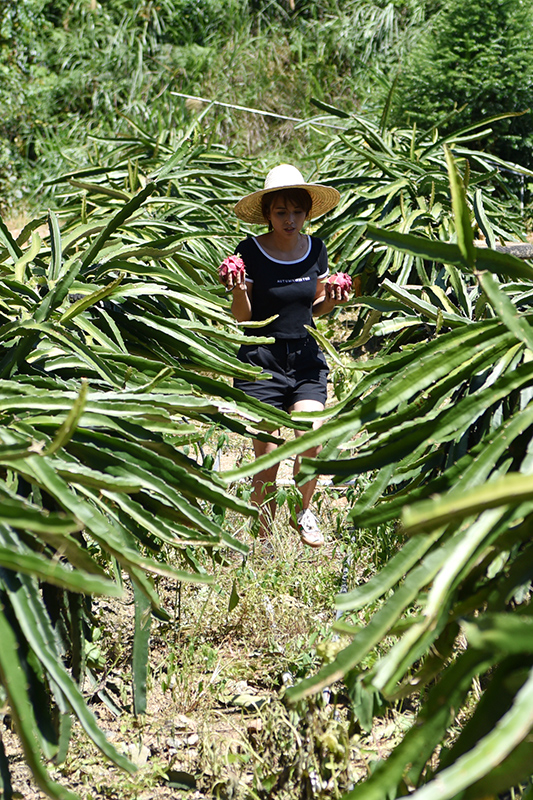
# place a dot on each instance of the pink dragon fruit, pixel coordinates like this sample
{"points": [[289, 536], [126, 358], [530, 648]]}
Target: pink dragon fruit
{"points": [[341, 279], [234, 266]]}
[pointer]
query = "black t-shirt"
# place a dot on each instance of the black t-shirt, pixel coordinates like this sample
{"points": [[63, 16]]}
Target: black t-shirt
{"points": [[286, 288]]}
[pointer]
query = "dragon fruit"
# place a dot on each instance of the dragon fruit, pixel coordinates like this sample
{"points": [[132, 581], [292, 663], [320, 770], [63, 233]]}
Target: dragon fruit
{"points": [[341, 279], [234, 266]]}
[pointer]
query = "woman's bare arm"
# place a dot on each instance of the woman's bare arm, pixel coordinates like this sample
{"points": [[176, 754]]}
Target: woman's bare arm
{"points": [[241, 305]]}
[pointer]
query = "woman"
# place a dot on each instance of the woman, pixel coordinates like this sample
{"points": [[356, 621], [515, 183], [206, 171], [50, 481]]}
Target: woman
{"points": [[285, 276]]}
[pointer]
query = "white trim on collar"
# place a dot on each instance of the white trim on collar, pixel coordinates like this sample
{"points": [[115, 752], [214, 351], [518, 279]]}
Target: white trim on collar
{"points": [[279, 261]]}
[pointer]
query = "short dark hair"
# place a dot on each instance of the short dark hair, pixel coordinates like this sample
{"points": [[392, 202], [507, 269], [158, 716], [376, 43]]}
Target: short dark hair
{"points": [[296, 197]]}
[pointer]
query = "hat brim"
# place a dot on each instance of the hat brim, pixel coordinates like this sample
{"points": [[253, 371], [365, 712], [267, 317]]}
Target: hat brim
{"points": [[324, 198]]}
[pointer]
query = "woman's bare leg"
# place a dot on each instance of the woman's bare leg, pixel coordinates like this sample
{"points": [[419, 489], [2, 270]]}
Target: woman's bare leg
{"points": [[263, 483], [307, 490]]}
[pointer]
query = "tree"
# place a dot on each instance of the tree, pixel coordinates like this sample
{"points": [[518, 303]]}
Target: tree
{"points": [[477, 55]]}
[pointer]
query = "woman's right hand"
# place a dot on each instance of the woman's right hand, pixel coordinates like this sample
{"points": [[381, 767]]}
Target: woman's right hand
{"points": [[232, 273], [233, 281]]}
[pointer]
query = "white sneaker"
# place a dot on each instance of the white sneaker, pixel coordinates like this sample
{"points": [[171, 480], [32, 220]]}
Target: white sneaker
{"points": [[309, 530]]}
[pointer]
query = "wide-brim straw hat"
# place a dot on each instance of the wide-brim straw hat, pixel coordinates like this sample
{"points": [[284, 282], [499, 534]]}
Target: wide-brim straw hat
{"points": [[285, 176]]}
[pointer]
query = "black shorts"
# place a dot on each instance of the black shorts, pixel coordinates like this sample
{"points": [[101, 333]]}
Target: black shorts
{"points": [[298, 368]]}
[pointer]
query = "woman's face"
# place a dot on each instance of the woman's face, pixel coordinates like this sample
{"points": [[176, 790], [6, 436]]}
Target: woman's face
{"points": [[286, 218]]}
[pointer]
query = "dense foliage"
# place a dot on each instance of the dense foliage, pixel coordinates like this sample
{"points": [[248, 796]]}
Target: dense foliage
{"points": [[71, 71], [476, 57], [117, 353], [107, 330], [449, 419], [440, 433]]}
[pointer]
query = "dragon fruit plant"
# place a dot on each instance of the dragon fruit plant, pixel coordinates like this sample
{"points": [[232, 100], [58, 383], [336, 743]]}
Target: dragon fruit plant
{"points": [[234, 266]]}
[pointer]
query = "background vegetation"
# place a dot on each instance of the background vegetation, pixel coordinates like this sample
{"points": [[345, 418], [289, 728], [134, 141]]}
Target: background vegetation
{"points": [[117, 354], [477, 59], [75, 71]]}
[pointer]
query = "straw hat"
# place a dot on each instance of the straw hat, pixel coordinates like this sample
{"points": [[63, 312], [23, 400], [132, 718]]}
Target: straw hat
{"points": [[281, 177]]}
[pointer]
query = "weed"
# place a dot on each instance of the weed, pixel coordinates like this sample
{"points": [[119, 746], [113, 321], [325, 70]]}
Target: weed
{"points": [[305, 751]]}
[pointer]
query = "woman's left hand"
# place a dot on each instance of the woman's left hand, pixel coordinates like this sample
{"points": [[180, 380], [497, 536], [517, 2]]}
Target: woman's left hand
{"points": [[334, 291], [336, 294]]}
